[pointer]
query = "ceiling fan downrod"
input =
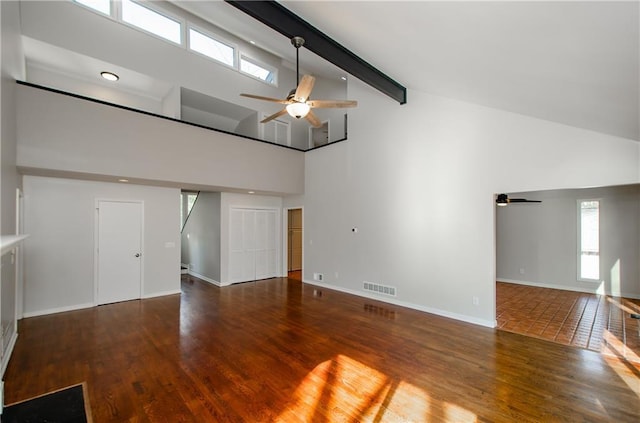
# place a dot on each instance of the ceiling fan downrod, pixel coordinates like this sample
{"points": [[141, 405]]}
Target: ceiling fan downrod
{"points": [[297, 43]]}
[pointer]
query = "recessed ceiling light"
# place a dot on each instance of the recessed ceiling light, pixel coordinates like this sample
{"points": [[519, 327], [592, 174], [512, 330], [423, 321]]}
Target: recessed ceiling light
{"points": [[109, 76], [252, 42], [252, 192], [344, 78], [123, 180]]}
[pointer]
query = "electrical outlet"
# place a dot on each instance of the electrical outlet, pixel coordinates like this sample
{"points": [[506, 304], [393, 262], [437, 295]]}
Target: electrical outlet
{"points": [[318, 277], [522, 270], [336, 275], [476, 301]]}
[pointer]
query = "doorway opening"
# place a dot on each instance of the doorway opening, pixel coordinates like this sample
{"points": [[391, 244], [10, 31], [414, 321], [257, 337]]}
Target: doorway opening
{"points": [[567, 268], [319, 136], [294, 243]]}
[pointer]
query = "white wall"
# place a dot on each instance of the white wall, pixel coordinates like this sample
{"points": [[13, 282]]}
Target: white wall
{"points": [[62, 133], [230, 200], [50, 78], [11, 68], [59, 254], [418, 181], [201, 237], [211, 120], [248, 126], [541, 240]]}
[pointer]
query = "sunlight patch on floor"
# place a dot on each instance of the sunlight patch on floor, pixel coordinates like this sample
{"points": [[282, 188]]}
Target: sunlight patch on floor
{"points": [[613, 353], [347, 390]]}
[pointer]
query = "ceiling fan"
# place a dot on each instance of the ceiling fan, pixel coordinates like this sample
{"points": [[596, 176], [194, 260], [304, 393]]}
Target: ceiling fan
{"points": [[297, 102], [503, 199]]}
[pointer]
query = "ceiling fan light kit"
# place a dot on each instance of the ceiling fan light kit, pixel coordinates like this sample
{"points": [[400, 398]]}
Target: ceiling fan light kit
{"points": [[298, 110], [502, 200], [297, 103]]}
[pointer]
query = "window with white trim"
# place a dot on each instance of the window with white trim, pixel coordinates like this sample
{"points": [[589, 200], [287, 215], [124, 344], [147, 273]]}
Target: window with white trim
{"points": [[589, 240], [148, 17], [151, 21], [102, 6], [258, 70], [212, 48]]}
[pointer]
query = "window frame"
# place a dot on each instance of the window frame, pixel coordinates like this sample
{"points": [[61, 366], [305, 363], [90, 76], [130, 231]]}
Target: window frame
{"points": [[215, 37], [118, 14], [99, 12], [579, 203], [260, 64]]}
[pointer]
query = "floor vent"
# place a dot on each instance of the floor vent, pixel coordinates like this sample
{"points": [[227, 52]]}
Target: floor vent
{"points": [[380, 289]]}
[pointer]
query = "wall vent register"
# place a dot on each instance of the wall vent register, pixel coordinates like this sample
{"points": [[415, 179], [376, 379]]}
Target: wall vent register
{"points": [[379, 288]]}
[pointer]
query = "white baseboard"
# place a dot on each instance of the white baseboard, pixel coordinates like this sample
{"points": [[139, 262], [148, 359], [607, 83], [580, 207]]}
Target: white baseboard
{"points": [[163, 293], [7, 355], [206, 279], [58, 310], [443, 313], [566, 288], [89, 305]]}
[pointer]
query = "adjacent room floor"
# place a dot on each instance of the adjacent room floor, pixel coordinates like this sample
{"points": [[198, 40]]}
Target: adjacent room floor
{"points": [[595, 322]]}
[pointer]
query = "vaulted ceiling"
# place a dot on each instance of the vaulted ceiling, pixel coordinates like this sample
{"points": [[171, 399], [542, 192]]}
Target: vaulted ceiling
{"points": [[575, 62]]}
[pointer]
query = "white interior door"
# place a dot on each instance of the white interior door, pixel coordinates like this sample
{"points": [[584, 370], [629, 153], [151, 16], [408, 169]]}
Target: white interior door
{"points": [[265, 244], [249, 245], [119, 251], [253, 244]]}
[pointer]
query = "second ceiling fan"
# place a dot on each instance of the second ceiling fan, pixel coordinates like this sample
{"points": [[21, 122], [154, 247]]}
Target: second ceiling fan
{"points": [[503, 199], [297, 104]]}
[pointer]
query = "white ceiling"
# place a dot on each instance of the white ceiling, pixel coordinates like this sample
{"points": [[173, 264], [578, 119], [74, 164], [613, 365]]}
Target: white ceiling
{"points": [[575, 62]]}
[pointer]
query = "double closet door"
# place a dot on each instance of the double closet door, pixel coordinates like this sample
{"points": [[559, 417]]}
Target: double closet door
{"points": [[253, 242]]}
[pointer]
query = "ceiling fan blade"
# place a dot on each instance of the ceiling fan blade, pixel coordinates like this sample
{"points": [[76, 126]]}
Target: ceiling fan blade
{"points": [[274, 116], [503, 200], [523, 200], [259, 97], [329, 104], [304, 88], [313, 119]]}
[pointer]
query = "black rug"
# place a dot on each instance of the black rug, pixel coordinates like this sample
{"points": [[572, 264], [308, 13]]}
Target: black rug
{"points": [[68, 405]]}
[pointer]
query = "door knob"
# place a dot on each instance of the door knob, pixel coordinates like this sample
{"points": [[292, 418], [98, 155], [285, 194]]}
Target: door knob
{"points": [[137, 254]]}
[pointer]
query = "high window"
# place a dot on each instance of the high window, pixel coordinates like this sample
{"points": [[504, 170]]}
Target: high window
{"points": [[210, 47], [152, 21], [589, 239], [257, 70], [102, 6], [147, 16]]}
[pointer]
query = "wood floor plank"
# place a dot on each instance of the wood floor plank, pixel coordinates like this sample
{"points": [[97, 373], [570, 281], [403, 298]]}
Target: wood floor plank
{"points": [[282, 351]]}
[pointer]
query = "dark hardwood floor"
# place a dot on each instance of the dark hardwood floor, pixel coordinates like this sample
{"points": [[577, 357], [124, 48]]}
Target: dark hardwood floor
{"points": [[279, 350]]}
